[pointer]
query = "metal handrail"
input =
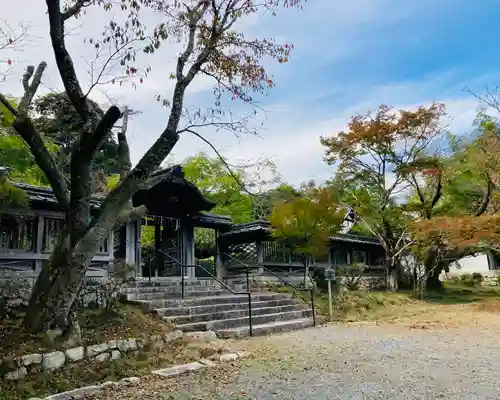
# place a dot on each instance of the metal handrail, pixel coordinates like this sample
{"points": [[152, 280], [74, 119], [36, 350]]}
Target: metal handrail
{"points": [[280, 279], [248, 293], [297, 289], [182, 269], [244, 265]]}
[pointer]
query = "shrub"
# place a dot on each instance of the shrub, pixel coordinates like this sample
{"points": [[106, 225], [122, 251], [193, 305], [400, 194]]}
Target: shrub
{"points": [[474, 279], [477, 277]]}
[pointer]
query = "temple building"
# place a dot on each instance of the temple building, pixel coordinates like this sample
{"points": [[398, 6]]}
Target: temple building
{"points": [[176, 208]]}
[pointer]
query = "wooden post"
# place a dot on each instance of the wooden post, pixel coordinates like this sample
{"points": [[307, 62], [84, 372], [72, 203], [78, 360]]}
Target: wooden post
{"points": [[260, 256], [39, 243], [158, 254], [131, 241], [220, 266], [139, 249], [187, 256]]}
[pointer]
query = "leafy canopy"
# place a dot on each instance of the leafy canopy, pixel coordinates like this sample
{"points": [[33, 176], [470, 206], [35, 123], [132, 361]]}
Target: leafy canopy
{"points": [[307, 221]]}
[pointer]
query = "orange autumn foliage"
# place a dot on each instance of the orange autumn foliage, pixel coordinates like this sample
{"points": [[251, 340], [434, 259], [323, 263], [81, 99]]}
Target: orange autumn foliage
{"points": [[378, 133], [459, 232]]}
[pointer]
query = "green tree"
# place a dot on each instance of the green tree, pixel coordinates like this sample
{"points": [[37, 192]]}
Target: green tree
{"points": [[213, 46], [58, 121], [15, 155], [306, 222], [378, 157], [220, 184]]}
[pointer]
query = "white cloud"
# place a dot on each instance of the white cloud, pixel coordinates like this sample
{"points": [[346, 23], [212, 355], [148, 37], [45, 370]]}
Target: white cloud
{"points": [[293, 139], [324, 31]]}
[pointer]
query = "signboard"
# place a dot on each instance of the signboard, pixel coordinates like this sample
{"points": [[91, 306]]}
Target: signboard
{"points": [[329, 274]]}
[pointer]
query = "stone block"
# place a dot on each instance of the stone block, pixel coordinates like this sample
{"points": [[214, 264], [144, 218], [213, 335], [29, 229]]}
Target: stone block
{"points": [[17, 374], [113, 344], [228, 357], [76, 394], [103, 357], [96, 349], [109, 384], [75, 354], [208, 336], [54, 360], [115, 354], [243, 354], [127, 345], [31, 359], [207, 362], [171, 336], [131, 380], [179, 369]]}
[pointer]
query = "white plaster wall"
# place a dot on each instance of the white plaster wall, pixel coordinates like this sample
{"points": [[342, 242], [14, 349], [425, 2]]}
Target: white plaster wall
{"points": [[470, 264]]}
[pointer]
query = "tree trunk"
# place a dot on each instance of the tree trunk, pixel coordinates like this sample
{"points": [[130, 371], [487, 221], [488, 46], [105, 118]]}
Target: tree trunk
{"points": [[433, 282], [392, 275], [433, 268], [34, 320], [60, 282]]}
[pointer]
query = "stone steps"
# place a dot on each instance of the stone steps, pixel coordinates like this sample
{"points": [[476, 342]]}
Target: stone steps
{"points": [[231, 314], [170, 289], [175, 295], [159, 282], [214, 308], [229, 323], [208, 306], [266, 329], [199, 301]]}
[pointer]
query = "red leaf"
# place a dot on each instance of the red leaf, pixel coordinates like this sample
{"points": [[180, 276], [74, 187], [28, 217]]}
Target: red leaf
{"points": [[9, 61], [140, 80]]}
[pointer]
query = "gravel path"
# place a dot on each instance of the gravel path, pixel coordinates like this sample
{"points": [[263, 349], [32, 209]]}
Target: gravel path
{"points": [[364, 362]]}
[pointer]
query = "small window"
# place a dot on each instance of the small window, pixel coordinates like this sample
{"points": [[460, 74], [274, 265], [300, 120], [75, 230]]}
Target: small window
{"points": [[17, 233], [359, 257], [341, 257]]}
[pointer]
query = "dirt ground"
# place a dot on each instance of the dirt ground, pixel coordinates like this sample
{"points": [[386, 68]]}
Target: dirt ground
{"points": [[431, 351]]}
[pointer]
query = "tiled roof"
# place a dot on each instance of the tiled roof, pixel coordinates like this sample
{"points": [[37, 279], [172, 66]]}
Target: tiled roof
{"points": [[348, 237], [254, 226], [46, 195], [213, 219]]}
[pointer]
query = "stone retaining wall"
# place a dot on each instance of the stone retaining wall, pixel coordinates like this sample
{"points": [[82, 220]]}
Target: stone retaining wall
{"points": [[18, 368]]}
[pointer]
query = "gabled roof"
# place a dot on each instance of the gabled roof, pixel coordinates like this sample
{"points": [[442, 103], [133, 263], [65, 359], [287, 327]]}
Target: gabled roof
{"points": [[45, 195], [259, 226], [263, 229], [207, 219]]}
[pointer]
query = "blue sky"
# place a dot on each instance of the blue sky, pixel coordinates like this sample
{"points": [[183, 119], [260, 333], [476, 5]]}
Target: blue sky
{"points": [[349, 57]]}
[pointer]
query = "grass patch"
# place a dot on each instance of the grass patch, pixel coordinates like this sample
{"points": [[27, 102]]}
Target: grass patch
{"points": [[97, 326], [87, 372], [458, 293], [378, 305]]}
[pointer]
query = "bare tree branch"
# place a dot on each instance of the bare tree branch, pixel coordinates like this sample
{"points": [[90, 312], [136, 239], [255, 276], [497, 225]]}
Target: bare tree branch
{"points": [[30, 89], [486, 198], [76, 8], [123, 148], [64, 60]]}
